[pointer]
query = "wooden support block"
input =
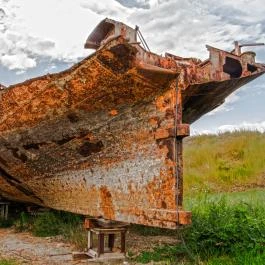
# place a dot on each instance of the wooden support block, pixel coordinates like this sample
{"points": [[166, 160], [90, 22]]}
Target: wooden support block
{"points": [[92, 253], [102, 230], [79, 255]]}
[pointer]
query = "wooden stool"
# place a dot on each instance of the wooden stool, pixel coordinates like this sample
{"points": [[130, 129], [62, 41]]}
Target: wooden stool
{"points": [[102, 228]]}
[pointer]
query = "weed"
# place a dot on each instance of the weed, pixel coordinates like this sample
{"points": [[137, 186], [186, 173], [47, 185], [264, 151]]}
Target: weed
{"points": [[221, 233], [46, 224], [23, 223], [53, 223]]}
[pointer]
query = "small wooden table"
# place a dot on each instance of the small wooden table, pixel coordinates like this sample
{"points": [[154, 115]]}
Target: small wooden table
{"points": [[104, 228]]}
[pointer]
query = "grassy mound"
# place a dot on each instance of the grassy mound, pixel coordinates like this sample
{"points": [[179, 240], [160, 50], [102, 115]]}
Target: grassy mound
{"points": [[225, 162]]}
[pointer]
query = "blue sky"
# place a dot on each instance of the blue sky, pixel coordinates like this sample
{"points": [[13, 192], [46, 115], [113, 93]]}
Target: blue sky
{"points": [[37, 37]]}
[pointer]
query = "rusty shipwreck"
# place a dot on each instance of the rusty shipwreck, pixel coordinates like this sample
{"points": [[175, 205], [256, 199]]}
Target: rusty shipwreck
{"points": [[104, 138]]}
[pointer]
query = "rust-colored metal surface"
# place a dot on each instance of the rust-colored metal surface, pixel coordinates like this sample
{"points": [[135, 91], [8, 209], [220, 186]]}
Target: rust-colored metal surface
{"points": [[104, 138]]}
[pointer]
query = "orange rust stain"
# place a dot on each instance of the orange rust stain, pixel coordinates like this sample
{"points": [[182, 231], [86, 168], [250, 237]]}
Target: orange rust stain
{"points": [[153, 121], [165, 102], [161, 191], [161, 133], [106, 203], [113, 112]]}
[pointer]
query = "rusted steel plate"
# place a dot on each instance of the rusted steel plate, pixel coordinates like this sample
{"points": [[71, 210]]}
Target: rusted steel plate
{"points": [[104, 138], [84, 141]]}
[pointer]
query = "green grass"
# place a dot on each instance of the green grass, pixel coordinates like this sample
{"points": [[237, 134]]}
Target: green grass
{"points": [[253, 197], [53, 223], [225, 162], [7, 262], [222, 232]]}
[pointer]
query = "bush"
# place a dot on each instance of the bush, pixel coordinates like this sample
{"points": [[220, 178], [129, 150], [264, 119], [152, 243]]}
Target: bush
{"points": [[23, 222], [219, 232], [54, 223], [46, 224], [219, 228]]}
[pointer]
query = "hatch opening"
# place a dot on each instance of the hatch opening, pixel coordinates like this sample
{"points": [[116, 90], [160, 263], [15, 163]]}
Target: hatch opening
{"points": [[232, 67]]}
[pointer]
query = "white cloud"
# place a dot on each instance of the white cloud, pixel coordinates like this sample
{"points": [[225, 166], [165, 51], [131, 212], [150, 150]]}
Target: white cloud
{"points": [[33, 29], [185, 26], [246, 126], [21, 60], [58, 28], [259, 126], [107, 8]]}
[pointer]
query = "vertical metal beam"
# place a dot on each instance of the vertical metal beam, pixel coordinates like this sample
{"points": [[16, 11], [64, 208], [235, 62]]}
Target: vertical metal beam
{"points": [[178, 148]]}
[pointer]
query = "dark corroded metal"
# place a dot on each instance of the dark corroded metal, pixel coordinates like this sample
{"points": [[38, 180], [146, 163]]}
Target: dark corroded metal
{"points": [[104, 138]]}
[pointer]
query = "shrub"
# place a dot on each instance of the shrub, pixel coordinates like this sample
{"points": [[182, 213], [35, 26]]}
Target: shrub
{"points": [[46, 224], [23, 222], [219, 228], [220, 231]]}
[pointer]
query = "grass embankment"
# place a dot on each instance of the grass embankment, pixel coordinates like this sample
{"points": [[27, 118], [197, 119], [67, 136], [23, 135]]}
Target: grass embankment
{"points": [[225, 162]]}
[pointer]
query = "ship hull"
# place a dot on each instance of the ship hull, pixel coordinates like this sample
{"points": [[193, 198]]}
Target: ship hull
{"points": [[91, 141]]}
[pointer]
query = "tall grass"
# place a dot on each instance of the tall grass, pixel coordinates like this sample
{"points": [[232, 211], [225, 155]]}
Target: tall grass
{"points": [[53, 223], [7, 262], [221, 233], [228, 161]]}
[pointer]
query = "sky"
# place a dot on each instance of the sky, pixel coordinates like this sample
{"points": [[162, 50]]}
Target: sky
{"points": [[40, 37]]}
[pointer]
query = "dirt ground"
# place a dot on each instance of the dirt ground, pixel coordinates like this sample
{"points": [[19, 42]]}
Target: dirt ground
{"points": [[27, 249], [30, 250]]}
